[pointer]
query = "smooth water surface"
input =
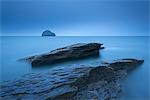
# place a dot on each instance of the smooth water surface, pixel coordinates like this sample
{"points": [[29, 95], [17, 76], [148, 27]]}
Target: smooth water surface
{"points": [[135, 85]]}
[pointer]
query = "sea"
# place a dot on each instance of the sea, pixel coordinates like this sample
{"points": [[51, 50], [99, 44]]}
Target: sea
{"points": [[136, 85]]}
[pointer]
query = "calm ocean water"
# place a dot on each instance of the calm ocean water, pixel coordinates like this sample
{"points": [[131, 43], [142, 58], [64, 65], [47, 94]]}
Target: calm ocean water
{"points": [[135, 85]]}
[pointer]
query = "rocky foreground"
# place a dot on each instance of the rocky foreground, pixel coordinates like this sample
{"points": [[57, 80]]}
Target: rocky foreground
{"points": [[75, 51], [99, 82]]}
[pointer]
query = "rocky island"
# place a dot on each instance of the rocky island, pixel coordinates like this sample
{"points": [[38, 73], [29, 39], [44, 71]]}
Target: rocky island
{"points": [[48, 33], [74, 51], [99, 82]]}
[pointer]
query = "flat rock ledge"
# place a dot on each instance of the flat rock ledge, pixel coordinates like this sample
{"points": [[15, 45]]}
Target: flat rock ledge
{"points": [[75, 51], [99, 82]]}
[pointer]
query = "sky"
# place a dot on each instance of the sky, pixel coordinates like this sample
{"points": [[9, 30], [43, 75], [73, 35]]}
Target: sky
{"points": [[75, 17]]}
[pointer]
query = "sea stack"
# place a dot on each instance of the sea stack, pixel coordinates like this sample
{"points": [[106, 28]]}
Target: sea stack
{"points": [[48, 33]]}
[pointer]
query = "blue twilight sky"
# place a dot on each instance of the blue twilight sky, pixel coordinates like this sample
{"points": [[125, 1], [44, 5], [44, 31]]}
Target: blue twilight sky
{"points": [[75, 17]]}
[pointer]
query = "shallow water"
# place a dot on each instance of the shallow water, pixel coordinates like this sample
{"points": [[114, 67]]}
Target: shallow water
{"points": [[135, 85]]}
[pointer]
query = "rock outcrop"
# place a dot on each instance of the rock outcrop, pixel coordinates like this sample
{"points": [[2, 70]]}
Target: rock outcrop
{"points": [[48, 33], [99, 82], [75, 51]]}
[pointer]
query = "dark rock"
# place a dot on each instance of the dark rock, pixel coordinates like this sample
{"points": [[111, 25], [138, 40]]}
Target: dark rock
{"points": [[107, 72], [48, 33], [78, 83], [75, 51]]}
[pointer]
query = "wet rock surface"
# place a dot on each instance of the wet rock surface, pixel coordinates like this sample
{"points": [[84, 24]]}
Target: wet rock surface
{"points": [[75, 51], [80, 83]]}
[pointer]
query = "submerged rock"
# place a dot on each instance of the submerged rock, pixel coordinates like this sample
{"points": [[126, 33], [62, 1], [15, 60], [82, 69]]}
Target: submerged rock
{"points": [[48, 33], [75, 51], [80, 83]]}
